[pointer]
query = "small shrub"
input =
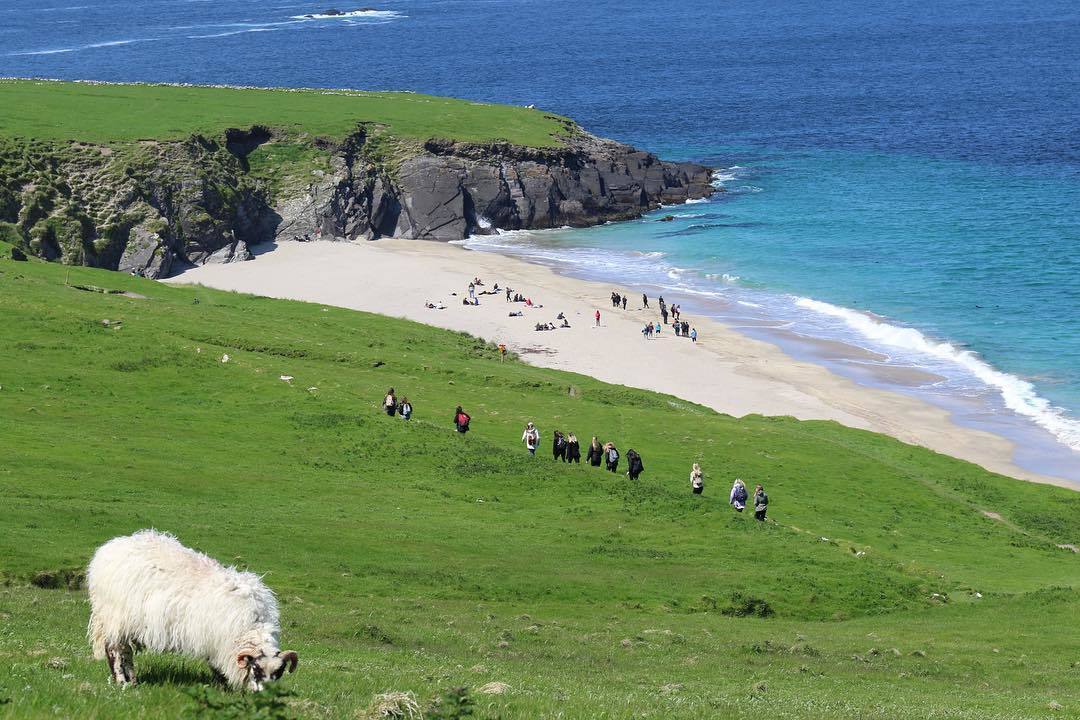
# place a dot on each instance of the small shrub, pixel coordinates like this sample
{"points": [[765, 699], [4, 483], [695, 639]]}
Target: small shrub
{"points": [[453, 704], [69, 578], [270, 704], [746, 606]]}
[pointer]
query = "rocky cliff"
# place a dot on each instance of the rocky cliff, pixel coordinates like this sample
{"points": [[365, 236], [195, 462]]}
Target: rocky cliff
{"points": [[143, 207]]}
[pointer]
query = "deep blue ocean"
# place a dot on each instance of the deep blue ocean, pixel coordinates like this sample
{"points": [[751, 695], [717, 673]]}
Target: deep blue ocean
{"points": [[900, 176]]}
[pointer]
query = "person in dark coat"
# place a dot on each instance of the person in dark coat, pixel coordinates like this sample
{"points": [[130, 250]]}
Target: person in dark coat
{"points": [[644, 300], [595, 455], [461, 420], [558, 446], [761, 503], [573, 449], [611, 457], [634, 465]]}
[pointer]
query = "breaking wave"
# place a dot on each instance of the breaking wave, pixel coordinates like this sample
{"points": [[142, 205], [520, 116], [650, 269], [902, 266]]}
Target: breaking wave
{"points": [[1018, 395]]}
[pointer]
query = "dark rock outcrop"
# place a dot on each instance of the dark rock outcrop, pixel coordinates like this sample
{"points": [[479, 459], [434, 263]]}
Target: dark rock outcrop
{"points": [[453, 190], [198, 201]]}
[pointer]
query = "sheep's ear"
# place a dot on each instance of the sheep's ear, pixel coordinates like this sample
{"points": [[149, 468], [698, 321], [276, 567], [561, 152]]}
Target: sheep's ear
{"points": [[243, 660], [291, 658]]}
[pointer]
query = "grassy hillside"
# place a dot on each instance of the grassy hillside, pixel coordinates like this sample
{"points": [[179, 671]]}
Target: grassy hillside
{"points": [[410, 558], [61, 111]]}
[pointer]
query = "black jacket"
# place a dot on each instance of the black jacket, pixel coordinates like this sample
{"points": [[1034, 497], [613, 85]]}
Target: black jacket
{"points": [[636, 467], [595, 455]]}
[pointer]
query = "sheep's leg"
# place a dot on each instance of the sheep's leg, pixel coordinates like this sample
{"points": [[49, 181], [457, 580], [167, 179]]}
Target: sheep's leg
{"points": [[121, 658], [127, 662]]}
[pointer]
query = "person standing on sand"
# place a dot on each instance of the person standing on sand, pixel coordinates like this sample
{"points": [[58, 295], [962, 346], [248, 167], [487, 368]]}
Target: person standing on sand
{"points": [[573, 449], [738, 496], [597, 318], [507, 293], [693, 335], [644, 300], [531, 438], [472, 291], [761, 503], [405, 409], [461, 420], [390, 402], [697, 479], [595, 454], [624, 302], [663, 314]]}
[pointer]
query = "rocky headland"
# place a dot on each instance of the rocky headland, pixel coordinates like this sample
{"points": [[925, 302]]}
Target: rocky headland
{"points": [[143, 207]]}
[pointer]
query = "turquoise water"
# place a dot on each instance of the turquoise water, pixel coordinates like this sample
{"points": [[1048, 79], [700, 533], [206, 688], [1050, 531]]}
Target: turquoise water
{"points": [[916, 161]]}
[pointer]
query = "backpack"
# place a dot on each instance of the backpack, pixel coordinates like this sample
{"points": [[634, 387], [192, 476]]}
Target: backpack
{"points": [[463, 420], [613, 455], [741, 494]]}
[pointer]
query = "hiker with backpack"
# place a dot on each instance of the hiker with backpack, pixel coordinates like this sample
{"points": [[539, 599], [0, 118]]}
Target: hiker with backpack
{"points": [[405, 409], [634, 465], [390, 402], [531, 438], [558, 446], [611, 457], [697, 479], [761, 503], [738, 496], [461, 420]]}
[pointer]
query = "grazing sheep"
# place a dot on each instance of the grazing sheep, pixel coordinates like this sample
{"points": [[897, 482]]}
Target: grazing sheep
{"points": [[147, 591]]}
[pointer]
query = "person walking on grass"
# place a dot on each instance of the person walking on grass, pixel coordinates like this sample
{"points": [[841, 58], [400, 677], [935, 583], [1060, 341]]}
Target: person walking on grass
{"points": [[390, 402], [697, 479], [595, 454], [461, 420], [738, 496], [531, 438], [558, 446], [405, 409], [611, 457], [573, 449], [761, 503], [634, 465]]}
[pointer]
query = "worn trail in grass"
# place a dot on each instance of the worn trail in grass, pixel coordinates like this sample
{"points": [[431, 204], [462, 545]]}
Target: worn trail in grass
{"points": [[408, 557]]}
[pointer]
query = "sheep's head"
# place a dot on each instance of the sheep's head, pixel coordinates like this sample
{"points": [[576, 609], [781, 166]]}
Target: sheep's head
{"points": [[262, 668]]}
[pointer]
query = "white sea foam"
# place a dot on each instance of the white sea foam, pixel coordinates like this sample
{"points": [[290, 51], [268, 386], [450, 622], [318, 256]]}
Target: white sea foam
{"points": [[372, 14], [483, 222], [109, 43], [1017, 394], [653, 254], [232, 32], [747, 303], [696, 201]]}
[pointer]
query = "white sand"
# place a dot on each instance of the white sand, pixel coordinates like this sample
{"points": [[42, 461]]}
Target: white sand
{"points": [[724, 370]]}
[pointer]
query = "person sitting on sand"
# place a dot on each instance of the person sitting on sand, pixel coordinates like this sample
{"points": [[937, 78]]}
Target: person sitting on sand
{"points": [[634, 465], [531, 438], [558, 446], [461, 420], [595, 454], [390, 402], [738, 496], [495, 288], [405, 409], [611, 456], [761, 503], [697, 479], [565, 323], [573, 449], [517, 314]]}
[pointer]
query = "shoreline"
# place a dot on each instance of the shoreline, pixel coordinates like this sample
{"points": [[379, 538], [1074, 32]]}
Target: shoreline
{"points": [[725, 370]]}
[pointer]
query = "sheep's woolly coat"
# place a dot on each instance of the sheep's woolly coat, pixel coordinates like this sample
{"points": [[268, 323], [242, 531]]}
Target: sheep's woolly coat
{"points": [[149, 591]]}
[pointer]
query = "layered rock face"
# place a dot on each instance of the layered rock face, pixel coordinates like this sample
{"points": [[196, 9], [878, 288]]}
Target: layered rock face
{"points": [[147, 209], [452, 190]]}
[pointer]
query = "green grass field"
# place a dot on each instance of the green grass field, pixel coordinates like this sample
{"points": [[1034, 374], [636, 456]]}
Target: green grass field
{"points": [[61, 111], [410, 558]]}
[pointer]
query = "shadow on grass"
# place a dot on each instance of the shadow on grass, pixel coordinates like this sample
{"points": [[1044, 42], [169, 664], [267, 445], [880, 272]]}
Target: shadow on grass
{"points": [[178, 673]]}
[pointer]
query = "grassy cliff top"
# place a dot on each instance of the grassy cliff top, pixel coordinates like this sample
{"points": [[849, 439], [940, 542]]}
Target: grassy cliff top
{"points": [[408, 557], [105, 113]]}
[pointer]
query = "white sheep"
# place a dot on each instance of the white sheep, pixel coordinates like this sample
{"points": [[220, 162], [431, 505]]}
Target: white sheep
{"points": [[147, 591]]}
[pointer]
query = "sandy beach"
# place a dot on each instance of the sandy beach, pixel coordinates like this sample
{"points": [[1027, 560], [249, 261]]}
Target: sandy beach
{"points": [[724, 370]]}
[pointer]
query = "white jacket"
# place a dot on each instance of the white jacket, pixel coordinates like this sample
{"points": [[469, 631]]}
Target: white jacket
{"points": [[531, 437]]}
